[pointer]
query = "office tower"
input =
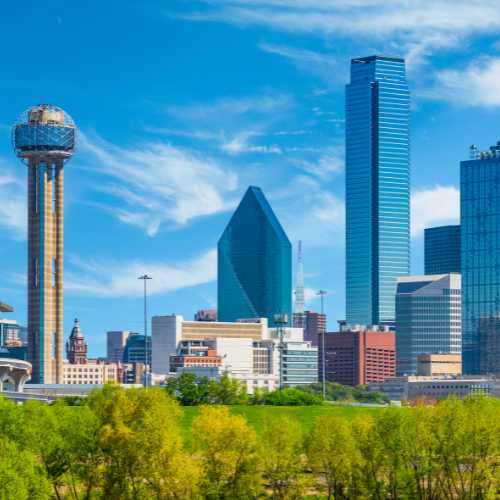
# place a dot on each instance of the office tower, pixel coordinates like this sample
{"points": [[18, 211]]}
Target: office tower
{"points": [[116, 341], [44, 138], [298, 309], [480, 257], [313, 323], [135, 349], [442, 250], [358, 357], [428, 318], [76, 347], [254, 263], [377, 188], [206, 315]]}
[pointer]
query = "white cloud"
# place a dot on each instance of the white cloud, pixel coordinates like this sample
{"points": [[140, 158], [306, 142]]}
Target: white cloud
{"points": [[240, 143], [434, 206], [476, 85], [323, 65], [415, 27], [119, 278], [13, 205], [231, 107], [310, 213], [157, 184], [329, 162]]}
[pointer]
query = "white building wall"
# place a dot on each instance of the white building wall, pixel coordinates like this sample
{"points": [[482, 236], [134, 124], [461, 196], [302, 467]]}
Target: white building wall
{"points": [[236, 354], [166, 334]]}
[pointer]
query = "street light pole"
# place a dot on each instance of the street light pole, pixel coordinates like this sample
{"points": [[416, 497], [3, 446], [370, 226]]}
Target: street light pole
{"points": [[322, 294], [145, 279]]}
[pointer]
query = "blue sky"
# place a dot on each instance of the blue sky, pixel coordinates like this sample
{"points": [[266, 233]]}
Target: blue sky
{"points": [[182, 104]]}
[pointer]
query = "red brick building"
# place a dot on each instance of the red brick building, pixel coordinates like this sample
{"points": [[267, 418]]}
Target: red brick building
{"points": [[313, 323], [359, 357]]}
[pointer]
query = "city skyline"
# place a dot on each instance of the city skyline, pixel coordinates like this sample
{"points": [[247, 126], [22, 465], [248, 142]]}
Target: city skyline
{"points": [[165, 155]]}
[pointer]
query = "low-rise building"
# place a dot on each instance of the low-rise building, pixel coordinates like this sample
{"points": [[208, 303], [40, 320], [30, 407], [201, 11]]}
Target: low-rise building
{"points": [[434, 388], [247, 350], [357, 355], [439, 364], [91, 372]]}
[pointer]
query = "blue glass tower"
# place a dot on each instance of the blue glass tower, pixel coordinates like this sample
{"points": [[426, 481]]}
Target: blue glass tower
{"points": [[254, 263], [442, 250], [377, 188], [480, 261]]}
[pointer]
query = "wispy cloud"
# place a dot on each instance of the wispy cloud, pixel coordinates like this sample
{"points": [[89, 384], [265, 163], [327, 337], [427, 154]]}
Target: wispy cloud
{"points": [[416, 27], [476, 85], [119, 278], [240, 143], [329, 162], [325, 66], [13, 211], [432, 206], [155, 183]]}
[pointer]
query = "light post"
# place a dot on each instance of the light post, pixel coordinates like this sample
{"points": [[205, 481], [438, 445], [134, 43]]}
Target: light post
{"points": [[281, 320], [322, 294], [147, 372]]}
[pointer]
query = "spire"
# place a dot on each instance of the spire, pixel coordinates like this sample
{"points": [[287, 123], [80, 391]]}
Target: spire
{"points": [[76, 332], [299, 283]]}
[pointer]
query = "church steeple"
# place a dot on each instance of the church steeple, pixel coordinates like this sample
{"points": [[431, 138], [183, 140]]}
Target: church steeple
{"points": [[76, 347]]}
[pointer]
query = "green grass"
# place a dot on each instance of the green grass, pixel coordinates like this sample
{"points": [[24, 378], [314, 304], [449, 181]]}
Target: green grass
{"points": [[256, 415]]}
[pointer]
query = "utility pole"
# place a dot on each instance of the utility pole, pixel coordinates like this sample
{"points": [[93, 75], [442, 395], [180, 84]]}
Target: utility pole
{"points": [[147, 368], [322, 294]]}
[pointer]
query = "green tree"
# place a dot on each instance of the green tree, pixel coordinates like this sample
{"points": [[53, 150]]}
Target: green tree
{"points": [[333, 455], [140, 442], [21, 478], [283, 458], [227, 447]]}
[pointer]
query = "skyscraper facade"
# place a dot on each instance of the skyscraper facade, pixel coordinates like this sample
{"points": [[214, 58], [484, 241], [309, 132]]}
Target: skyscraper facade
{"points": [[44, 138], [377, 188], [480, 257], [428, 318], [442, 249], [254, 278]]}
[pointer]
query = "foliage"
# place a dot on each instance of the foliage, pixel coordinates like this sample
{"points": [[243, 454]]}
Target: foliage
{"points": [[338, 392], [291, 396], [283, 458], [129, 444], [227, 447], [191, 391]]}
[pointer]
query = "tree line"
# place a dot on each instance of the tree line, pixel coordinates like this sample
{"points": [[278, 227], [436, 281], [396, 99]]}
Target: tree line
{"points": [[127, 444]]}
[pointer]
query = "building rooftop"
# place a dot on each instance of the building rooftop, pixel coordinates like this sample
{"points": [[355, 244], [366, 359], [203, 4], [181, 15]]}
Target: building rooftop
{"points": [[5, 307]]}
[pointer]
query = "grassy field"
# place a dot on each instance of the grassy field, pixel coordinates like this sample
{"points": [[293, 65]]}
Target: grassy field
{"points": [[256, 415]]}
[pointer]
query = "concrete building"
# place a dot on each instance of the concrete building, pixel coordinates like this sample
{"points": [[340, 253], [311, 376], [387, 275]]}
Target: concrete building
{"points": [[428, 318], [313, 323], [247, 350], [44, 138], [91, 372], [439, 365], [359, 356], [116, 342], [14, 373], [442, 250], [206, 315], [434, 388], [76, 347]]}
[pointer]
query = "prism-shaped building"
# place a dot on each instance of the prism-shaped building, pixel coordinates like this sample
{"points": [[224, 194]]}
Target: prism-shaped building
{"points": [[254, 263]]}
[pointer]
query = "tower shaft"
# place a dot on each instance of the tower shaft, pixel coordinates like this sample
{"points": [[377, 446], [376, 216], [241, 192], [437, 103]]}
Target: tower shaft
{"points": [[45, 268]]}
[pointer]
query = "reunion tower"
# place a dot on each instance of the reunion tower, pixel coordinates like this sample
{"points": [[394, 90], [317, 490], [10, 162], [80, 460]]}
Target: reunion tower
{"points": [[44, 139]]}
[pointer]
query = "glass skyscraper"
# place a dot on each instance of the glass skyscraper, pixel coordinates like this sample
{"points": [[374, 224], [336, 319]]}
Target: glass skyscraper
{"points": [[377, 188], [428, 319], [442, 250], [254, 278], [480, 260]]}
